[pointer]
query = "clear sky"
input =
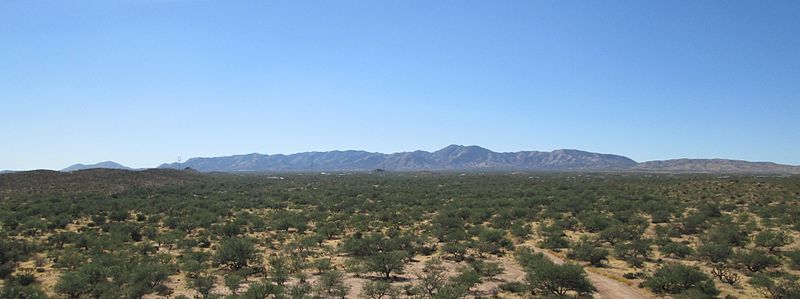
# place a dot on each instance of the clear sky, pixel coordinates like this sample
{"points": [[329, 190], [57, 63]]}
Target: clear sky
{"points": [[141, 82]]}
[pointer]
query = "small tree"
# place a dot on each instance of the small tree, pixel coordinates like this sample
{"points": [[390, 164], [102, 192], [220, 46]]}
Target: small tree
{"points": [[278, 270], [618, 233], [16, 289], [354, 266], [554, 242], [772, 240], [520, 230], [466, 277], [678, 278], [730, 234], [322, 265], [715, 252], [451, 290], [236, 253], [634, 252], [755, 260], [71, 259], [152, 275], [262, 290], [493, 241], [233, 282], [302, 289], [297, 263], [331, 285], [544, 275], [487, 269], [203, 285], [595, 222], [772, 289], [588, 252], [457, 250], [72, 285], [559, 279], [794, 258], [432, 277], [676, 250], [386, 263], [379, 290], [96, 278]]}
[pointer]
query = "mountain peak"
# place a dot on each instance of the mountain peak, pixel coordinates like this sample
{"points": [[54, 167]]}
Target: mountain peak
{"points": [[460, 148], [104, 164]]}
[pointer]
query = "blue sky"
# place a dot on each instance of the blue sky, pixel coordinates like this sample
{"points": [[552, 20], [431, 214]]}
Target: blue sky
{"points": [[141, 82]]}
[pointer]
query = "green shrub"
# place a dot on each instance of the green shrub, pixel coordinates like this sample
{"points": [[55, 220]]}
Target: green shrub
{"points": [[233, 281], [72, 285], [545, 276], [619, 233], [772, 240], [588, 252], [486, 269], [676, 250], [715, 252], [780, 288], [678, 278], [554, 242], [755, 260], [595, 223], [386, 263], [729, 234], [515, 287], [794, 258], [379, 290], [633, 252], [331, 285], [235, 253], [203, 285]]}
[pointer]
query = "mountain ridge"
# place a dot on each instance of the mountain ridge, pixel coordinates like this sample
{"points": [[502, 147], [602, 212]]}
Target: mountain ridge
{"points": [[104, 164], [715, 165], [471, 158]]}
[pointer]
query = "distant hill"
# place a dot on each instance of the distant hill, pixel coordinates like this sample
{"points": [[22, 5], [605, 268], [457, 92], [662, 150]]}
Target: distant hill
{"points": [[106, 164], [453, 157], [715, 166]]}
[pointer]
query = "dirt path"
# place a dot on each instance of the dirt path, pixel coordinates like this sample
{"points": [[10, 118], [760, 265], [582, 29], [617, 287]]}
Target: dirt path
{"points": [[607, 288]]}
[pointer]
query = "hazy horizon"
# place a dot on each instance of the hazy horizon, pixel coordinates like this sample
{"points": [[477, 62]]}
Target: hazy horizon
{"points": [[141, 82]]}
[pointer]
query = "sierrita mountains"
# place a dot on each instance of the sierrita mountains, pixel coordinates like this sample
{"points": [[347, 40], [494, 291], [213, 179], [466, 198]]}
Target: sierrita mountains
{"points": [[460, 158], [471, 158]]}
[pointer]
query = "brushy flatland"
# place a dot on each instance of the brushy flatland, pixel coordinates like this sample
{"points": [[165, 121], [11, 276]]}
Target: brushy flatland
{"points": [[167, 233]]}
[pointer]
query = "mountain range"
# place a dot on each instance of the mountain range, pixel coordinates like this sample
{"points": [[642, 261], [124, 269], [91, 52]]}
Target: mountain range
{"points": [[458, 157], [470, 158]]}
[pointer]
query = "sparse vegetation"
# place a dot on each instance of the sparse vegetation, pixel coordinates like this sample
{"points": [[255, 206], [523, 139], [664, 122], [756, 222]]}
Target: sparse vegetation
{"points": [[424, 235]]}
